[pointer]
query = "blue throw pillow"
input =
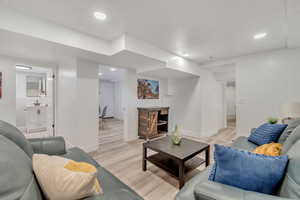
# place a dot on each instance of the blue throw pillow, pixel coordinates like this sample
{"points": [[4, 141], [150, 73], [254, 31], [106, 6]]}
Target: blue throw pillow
{"points": [[267, 133], [248, 171]]}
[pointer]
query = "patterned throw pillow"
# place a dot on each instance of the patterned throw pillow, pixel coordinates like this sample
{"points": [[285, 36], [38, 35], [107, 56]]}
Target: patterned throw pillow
{"points": [[266, 133]]}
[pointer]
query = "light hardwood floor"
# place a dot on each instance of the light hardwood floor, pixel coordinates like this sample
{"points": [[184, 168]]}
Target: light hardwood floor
{"points": [[154, 184], [111, 134]]}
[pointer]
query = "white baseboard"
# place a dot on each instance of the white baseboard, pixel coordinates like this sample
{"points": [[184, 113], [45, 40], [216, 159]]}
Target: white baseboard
{"points": [[131, 139], [190, 133], [91, 149], [86, 149], [197, 134]]}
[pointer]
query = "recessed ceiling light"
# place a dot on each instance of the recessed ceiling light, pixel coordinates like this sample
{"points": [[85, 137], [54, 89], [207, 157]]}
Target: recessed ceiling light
{"points": [[113, 69], [100, 15], [259, 36], [23, 67], [100, 74], [178, 60], [185, 55]]}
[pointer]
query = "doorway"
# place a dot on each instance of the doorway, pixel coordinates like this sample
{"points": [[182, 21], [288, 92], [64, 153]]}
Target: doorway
{"points": [[111, 107], [230, 98], [35, 105]]}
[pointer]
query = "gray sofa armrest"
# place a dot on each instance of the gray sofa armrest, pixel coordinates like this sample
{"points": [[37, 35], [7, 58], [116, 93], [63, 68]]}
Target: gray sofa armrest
{"points": [[50, 146], [208, 190]]}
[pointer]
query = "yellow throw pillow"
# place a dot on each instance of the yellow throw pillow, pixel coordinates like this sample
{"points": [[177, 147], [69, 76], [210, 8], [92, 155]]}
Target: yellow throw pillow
{"points": [[272, 149], [83, 167], [64, 179]]}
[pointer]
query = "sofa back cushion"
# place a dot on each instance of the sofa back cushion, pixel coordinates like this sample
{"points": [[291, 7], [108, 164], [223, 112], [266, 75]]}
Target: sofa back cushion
{"points": [[290, 187], [291, 140], [12, 133], [289, 130], [17, 180]]}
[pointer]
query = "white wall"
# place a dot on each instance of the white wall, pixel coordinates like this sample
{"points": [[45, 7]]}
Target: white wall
{"points": [[263, 83], [119, 99], [130, 105], [186, 106], [112, 95], [107, 97], [67, 123], [8, 104], [77, 115], [8, 100], [197, 106], [77, 103], [212, 119], [163, 91], [230, 101], [88, 98], [130, 102]]}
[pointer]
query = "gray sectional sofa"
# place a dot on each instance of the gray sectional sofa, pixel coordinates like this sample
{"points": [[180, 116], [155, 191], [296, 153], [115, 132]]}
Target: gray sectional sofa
{"points": [[200, 188], [17, 180]]}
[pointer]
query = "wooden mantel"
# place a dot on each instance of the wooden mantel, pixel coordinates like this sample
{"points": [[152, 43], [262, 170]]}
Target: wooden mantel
{"points": [[153, 121]]}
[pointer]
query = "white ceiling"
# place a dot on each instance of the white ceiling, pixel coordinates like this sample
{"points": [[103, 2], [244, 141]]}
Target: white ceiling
{"points": [[202, 28], [224, 73], [168, 73], [108, 75], [38, 50]]}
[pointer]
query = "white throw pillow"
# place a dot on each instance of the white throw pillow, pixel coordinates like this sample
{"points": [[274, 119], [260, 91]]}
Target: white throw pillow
{"points": [[60, 183]]}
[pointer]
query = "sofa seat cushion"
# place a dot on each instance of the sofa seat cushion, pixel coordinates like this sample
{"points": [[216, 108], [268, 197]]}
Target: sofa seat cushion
{"points": [[112, 187], [116, 195], [17, 179], [187, 192], [208, 190], [243, 144]]}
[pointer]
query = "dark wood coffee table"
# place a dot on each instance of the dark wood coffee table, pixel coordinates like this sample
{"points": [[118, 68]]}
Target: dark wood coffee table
{"points": [[177, 160]]}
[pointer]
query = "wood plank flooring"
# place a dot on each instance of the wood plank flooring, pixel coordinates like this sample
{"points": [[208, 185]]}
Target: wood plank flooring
{"points": [[154, 184], [111, 134]]}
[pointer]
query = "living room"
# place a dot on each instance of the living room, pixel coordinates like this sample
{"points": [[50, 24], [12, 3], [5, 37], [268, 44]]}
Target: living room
{"points": [[203, 81]]}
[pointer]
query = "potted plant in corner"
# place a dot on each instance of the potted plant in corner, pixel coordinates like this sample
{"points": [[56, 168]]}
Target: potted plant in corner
{"points": [[272, 120]]}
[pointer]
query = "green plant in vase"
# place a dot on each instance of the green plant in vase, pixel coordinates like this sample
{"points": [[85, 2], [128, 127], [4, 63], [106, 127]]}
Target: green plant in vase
{"points": [[272, 120], [176, 136]]}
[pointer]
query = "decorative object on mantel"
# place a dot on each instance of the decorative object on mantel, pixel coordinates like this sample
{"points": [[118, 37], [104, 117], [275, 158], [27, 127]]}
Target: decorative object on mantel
{"points": [[148, 89], [272, 120], [290, 111], [0, 85], [176, 136]]}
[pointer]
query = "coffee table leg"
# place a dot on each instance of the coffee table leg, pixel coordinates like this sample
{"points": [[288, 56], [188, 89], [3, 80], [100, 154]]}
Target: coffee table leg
{"points": [[181, 174], [144, 158], [207, 156]]}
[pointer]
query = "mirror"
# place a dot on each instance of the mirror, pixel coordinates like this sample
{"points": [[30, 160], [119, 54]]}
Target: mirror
{"points": [[36, 86]]}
